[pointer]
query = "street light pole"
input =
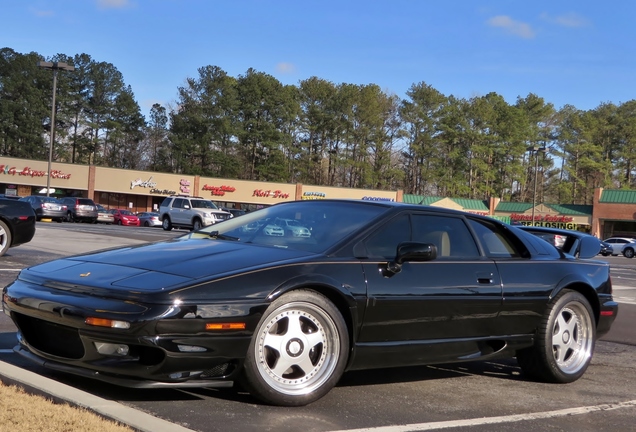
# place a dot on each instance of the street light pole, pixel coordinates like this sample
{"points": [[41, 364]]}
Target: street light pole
{"points": [[54, 66], [536, 151]]}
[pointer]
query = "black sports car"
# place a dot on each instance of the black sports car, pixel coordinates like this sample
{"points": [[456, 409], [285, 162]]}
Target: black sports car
{"points": [[17, 223], [375, 284]]}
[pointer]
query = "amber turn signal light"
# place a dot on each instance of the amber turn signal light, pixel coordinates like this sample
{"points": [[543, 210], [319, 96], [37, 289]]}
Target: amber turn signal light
{"points": [[225, 326], [103, 322]]}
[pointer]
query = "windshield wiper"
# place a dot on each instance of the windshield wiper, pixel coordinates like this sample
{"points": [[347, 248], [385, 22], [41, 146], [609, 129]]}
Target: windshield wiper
{"points": [[217, 236]]}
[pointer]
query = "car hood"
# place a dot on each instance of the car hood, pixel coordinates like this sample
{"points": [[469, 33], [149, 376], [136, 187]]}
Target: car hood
{"points": [[158, 266]]}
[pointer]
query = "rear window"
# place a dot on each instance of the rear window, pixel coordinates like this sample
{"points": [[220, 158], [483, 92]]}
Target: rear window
{"points": [[85, 201]]}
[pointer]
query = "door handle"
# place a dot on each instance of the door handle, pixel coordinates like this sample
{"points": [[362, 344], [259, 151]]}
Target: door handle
{"points": [[484, 278]]}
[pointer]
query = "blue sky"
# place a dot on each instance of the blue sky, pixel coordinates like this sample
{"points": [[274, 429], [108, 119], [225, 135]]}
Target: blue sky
{"points": [[581, 53]]}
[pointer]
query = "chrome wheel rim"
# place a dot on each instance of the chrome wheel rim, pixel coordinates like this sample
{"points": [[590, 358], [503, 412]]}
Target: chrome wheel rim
{"points": [[572, 338], [4, 238], [297, 348]]}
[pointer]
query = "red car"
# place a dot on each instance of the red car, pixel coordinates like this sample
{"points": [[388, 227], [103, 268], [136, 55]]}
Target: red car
{"points": [[125, 217]]}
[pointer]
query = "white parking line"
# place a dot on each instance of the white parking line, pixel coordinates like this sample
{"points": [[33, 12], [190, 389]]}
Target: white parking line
{"points": [[10, 269], [495, 420], [627, 300]]}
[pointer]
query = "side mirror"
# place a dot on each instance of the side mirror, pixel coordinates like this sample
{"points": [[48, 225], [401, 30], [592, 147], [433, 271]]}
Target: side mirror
{"points": [[412, 251], [589, 247]]}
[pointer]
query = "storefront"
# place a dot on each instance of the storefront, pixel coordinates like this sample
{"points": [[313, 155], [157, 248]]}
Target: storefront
{"points": [[614, 213], [243, 194], [569, 217], [144, 191], [23, 177], [325, 192]]}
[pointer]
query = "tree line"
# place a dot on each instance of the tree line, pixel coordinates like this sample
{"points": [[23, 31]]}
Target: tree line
{"points": [[252, 127]]}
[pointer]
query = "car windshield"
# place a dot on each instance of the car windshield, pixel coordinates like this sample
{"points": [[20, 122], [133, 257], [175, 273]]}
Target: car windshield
{"points": [[126, 212], [327, 223], [203, 204]]}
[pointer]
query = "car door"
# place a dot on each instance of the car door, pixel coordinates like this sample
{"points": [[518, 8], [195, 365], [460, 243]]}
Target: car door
{"points": [[619, 246], [527, 283], [615, 247], [457, 295], [177, 214]]}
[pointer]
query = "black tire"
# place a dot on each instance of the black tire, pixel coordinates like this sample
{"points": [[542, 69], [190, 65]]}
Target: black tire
{"points": [[119, 222], [5, 238], [564, 343], [196, 225], [315, 337], [69, 217], [146, 224], [628, 253], [166, 224]]}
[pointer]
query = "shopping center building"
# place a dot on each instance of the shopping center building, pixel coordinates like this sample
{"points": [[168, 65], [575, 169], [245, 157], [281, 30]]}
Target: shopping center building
{"points": [[612, 213]]}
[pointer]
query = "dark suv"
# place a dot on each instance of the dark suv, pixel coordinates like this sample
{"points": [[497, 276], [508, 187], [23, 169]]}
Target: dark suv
{"points": [[190, 212], [80, 209]]}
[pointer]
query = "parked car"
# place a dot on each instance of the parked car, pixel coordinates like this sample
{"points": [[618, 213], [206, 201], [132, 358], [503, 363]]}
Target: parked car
{"points": [[606, 249], [568, 241], [149, 219], [125, 217], [292, 227], [17, 223], [80, 209], [622, 245], [46, 207], [234, 212], [378, 284], [103, 215], [263, 226], [190, 212], [13, 197], [273, 230]]}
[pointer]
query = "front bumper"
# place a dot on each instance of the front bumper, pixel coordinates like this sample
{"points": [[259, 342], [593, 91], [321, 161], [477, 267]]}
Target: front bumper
{"points": [[123, 381], [162, 348]]}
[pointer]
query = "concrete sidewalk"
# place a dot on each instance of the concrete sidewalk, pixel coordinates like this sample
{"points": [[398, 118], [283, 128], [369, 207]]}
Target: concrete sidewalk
{"points": [[62, 393]]}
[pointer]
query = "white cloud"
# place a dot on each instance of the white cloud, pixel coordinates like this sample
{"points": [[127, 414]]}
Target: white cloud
{"points": [[113, 4], [511, 26], [570, 19], [41, 13], [285, 68]]}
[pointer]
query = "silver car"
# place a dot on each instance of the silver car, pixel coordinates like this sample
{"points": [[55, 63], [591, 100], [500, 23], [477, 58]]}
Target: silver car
{"points": [[292, 227], [80, 209], [149, 219], [622, 245], [104, 216], [46, 207]]}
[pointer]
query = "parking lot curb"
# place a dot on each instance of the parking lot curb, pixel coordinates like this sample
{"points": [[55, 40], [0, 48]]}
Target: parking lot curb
{"points": [[61, 393]]}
